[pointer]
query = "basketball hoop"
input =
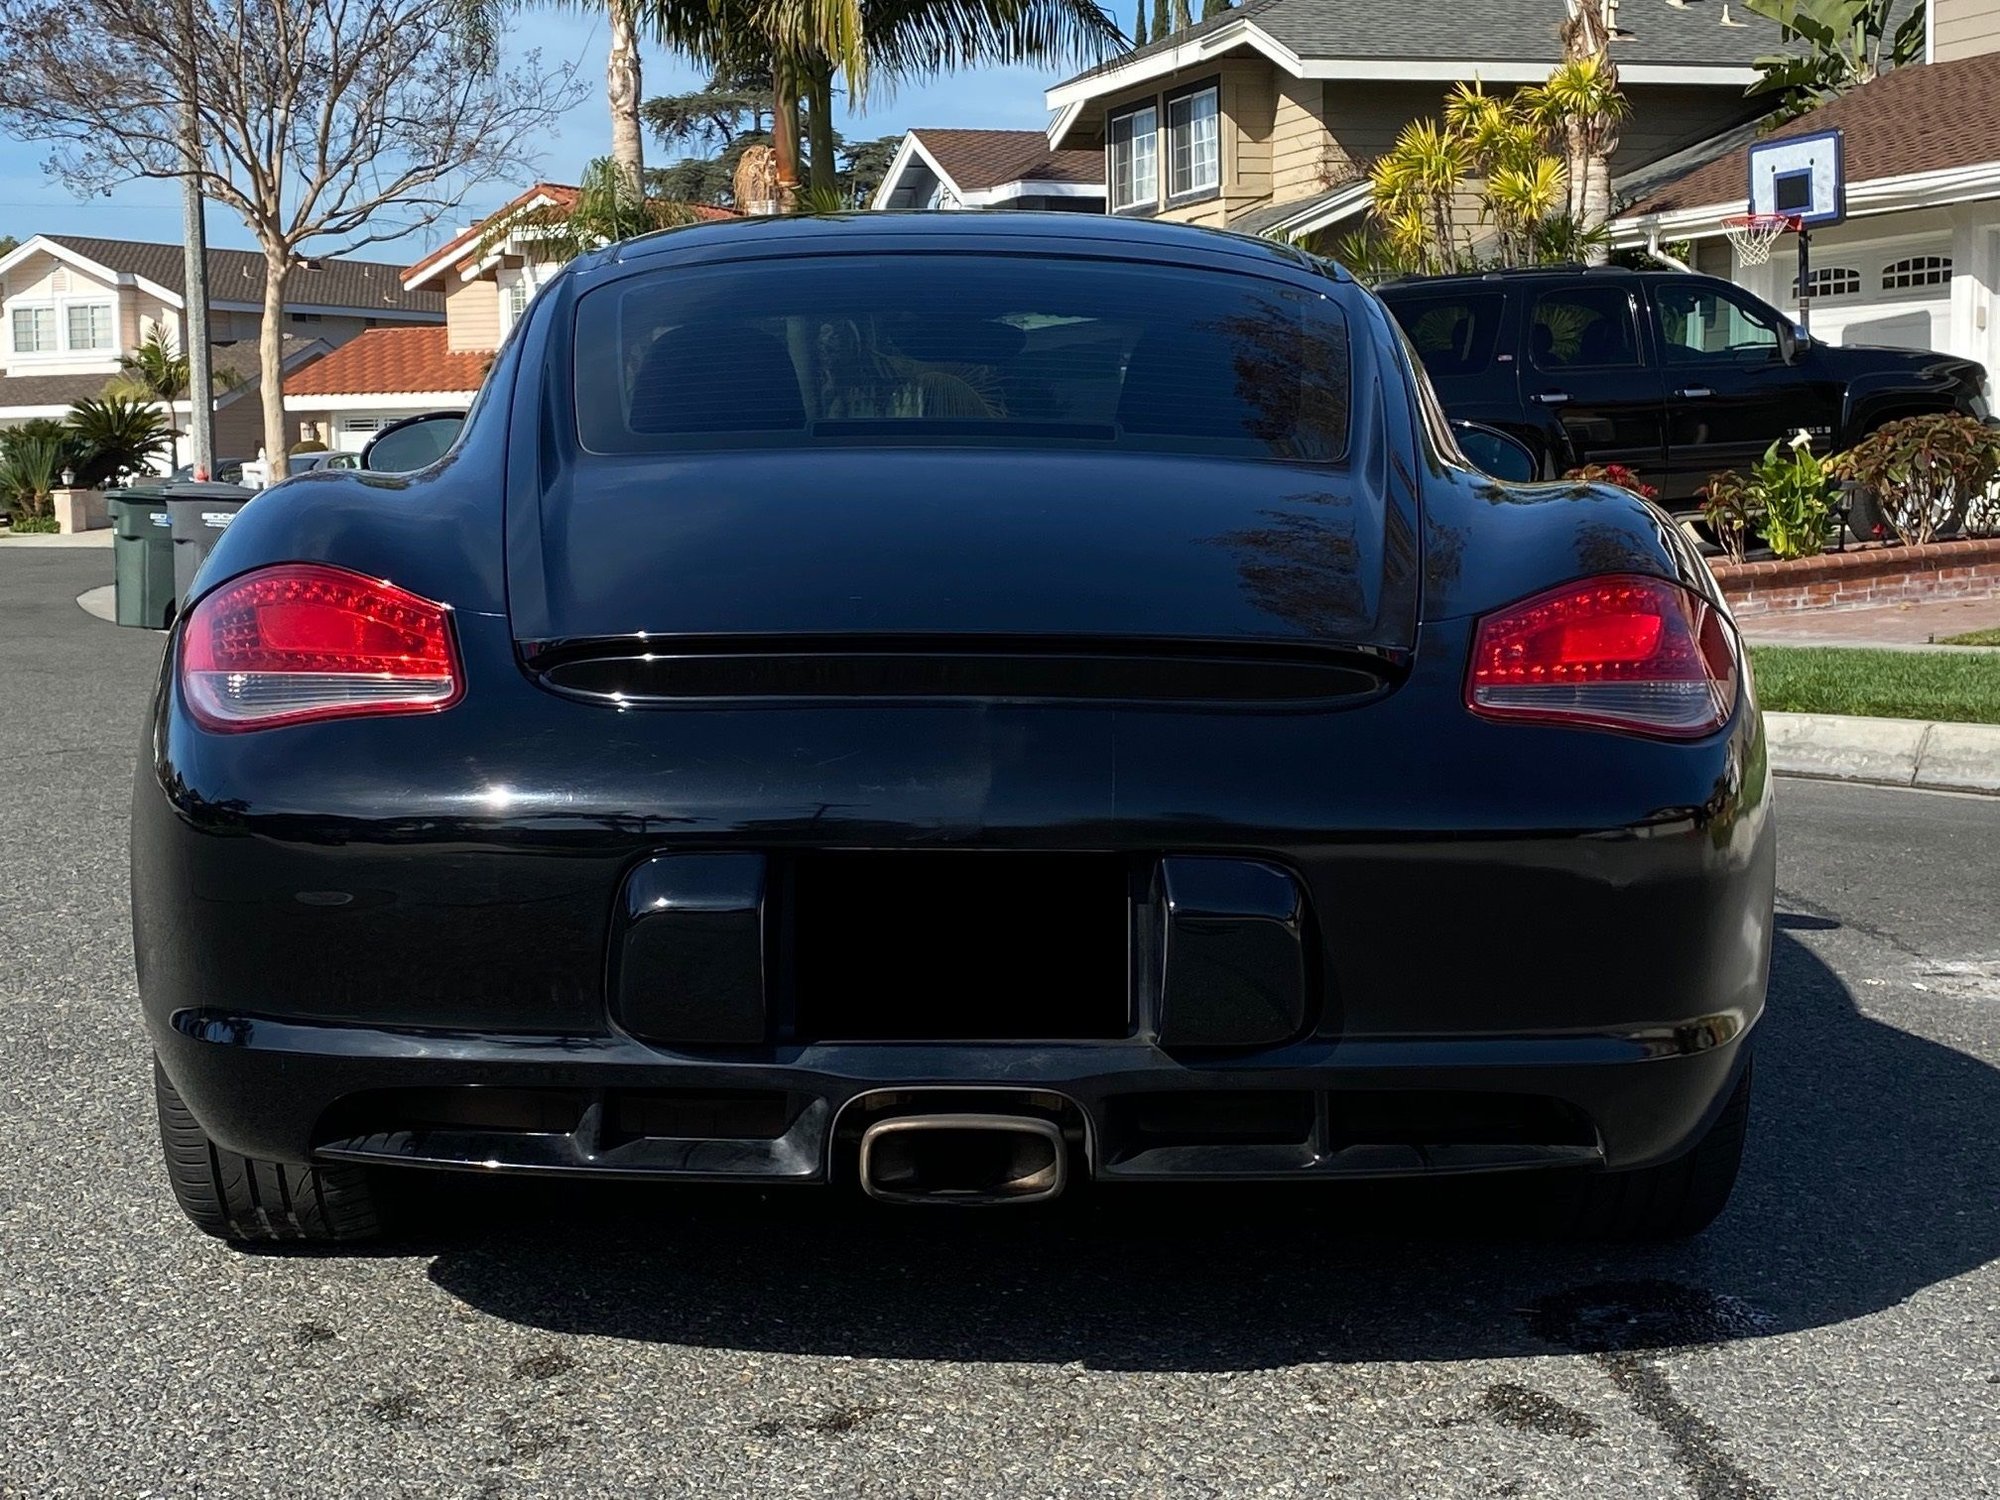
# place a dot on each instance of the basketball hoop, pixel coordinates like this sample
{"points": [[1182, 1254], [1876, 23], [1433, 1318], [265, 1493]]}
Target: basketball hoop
{"points": [[1753, 235]]}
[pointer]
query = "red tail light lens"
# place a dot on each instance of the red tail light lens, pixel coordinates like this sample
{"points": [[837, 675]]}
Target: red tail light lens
{"points": [[304, 641], [1621, 652]]}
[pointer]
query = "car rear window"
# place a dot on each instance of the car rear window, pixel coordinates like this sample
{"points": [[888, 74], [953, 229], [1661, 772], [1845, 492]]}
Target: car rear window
{"points": [[1452, 335], [956, 349]]}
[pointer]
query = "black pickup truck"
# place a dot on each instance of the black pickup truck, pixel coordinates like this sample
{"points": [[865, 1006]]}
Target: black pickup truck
{"points": [[1673, 375]]}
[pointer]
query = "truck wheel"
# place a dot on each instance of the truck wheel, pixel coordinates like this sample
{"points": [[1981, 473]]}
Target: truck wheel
{"points": [[1671, 1201], [252, 1202]]}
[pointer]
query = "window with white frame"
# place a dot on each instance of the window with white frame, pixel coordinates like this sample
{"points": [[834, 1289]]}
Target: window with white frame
{"points": [[1831, 281], [516, 299], [1915, 271], [361, 424], [1134, 170], [34, 330], [1194, 143], [89, 325]]}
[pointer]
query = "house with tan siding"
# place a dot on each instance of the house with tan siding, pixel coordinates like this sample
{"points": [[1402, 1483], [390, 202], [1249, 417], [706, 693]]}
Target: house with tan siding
{"points": [[71, 305], [1961, 28], [1267, 116]]}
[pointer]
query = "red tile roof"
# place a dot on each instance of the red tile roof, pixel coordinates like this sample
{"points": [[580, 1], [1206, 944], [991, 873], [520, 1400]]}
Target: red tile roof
{"points": [[453, 252], [391, 361], [1923, 117], [977, 159]]}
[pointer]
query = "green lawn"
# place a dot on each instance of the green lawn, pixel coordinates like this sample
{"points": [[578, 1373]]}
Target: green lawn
{"points": [[1881, 684], [1973, 638]]}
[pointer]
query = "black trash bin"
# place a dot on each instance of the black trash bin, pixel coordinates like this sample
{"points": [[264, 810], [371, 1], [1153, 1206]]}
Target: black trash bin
{"points": [[142, 554], [201, 513]]}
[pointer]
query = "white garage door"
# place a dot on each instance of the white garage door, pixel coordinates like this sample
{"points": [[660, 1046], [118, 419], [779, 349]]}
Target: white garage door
{"points": [[1897, 294]]}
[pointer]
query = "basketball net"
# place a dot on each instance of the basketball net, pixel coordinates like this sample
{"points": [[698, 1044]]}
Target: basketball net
{"points": [[1753, 235]]}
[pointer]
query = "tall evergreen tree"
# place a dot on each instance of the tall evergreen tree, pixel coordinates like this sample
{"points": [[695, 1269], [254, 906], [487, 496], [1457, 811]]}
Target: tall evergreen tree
{"points": [[1162, 19], [1210, 9], [1139, 26], [1182, 19]]}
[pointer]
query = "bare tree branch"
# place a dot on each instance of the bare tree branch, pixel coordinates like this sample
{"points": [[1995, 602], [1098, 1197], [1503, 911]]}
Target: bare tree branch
{"points": [[351, 120]]}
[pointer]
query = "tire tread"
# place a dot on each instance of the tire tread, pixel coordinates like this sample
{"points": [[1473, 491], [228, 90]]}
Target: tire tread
{"points": [[247, 1201]]}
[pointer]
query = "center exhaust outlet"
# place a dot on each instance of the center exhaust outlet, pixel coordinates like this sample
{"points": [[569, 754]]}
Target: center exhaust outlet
{"points": [[964, 1160]]}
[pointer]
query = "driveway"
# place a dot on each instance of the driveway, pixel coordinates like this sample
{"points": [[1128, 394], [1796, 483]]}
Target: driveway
{"points": [[1836, 1334]]}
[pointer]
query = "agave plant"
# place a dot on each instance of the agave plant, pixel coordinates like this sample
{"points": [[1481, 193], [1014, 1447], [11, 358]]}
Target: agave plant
{"points": [[115, 436], [30, 468]]}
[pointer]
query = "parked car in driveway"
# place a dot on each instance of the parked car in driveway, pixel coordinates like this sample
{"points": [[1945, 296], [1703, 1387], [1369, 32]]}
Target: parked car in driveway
{"points": [[306, 463], [226, 471], [1672, 375], [954, 704]]}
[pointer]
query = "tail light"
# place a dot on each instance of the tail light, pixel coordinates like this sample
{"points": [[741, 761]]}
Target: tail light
{"points": [[1619, 652], [304, 641]]}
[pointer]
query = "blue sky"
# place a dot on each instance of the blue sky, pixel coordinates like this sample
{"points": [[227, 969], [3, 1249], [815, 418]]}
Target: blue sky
{"points": [[32, 202]]}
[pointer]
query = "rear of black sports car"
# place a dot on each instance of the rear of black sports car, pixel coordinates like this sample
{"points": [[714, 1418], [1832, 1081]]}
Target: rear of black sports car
{"points": [[959, 707]]}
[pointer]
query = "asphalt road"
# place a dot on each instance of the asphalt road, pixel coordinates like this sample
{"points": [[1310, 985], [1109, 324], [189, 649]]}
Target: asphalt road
{"points": [[1836, 1334]]}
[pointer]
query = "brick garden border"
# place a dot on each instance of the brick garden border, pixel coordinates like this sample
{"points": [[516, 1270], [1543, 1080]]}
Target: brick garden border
{"points": [[1968, 568]]}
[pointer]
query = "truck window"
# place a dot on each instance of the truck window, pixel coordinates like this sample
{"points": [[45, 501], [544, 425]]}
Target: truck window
{"points": [[1452, 335], [1584, 328], [1704, 322]]}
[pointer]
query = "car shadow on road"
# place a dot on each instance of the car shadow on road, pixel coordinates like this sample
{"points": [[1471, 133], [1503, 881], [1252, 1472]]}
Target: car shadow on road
{"points": [[1870, 1176]]}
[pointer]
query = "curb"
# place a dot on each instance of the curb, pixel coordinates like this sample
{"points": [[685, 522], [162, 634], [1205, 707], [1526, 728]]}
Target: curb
{"points": [[1886, 752], [101, 602]]}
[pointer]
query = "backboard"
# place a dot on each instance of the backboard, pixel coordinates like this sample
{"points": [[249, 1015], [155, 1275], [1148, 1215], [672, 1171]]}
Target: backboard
{"points": [[1801, 176]]}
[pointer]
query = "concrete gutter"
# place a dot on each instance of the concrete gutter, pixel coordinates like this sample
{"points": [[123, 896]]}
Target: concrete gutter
{"points": [[1888, 752]]}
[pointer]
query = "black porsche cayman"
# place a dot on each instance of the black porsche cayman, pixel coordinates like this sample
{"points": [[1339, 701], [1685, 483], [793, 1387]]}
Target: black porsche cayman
{"points": [[964, 705]]}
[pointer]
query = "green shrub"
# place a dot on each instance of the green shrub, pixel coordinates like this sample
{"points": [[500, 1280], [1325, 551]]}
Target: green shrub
{"points": [[1733, 511], [1794, 490], [309, 445], [35, 526], [1925, 471]]}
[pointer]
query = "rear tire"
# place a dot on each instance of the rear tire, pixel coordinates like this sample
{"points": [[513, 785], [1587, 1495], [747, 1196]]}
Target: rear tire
{"points": [[251, 1202], [1671, 1201]]}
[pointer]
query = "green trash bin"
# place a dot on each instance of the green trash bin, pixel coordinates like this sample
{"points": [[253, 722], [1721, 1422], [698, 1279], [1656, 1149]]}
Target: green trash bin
{"points": [[142, 553]]}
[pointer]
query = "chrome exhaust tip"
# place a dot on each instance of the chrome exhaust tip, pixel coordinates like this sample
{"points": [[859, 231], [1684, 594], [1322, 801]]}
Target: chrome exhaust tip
{"points": [[965, 1161]]}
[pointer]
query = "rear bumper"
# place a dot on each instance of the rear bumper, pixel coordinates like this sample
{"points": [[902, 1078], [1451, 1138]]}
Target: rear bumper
{"points": [[1511, 945], [577, 1105]]}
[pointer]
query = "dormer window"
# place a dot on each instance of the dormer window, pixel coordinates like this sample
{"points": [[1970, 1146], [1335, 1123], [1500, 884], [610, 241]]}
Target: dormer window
{"points": [[90, 325], [34, 330]]}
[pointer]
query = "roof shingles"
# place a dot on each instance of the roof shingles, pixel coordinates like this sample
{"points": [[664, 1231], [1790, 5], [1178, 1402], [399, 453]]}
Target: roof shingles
{"points": [[980, 159], [237, 360], [1651, 31], [363, 286], [392, 362]]}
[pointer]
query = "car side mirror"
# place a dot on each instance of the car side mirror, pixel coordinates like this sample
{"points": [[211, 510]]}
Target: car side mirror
{"points": [[1496, 453], [413, 443], [1788, 343]]}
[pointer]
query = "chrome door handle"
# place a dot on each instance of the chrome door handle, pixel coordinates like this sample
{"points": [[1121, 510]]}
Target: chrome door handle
{"points": [[1553, 398], [1694, 392]]}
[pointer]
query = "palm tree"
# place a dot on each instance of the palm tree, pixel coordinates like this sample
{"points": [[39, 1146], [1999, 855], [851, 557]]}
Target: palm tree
{"points": [[156, 371], [786, 36], [1581, 100], [606, 208], [809, 43]]}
